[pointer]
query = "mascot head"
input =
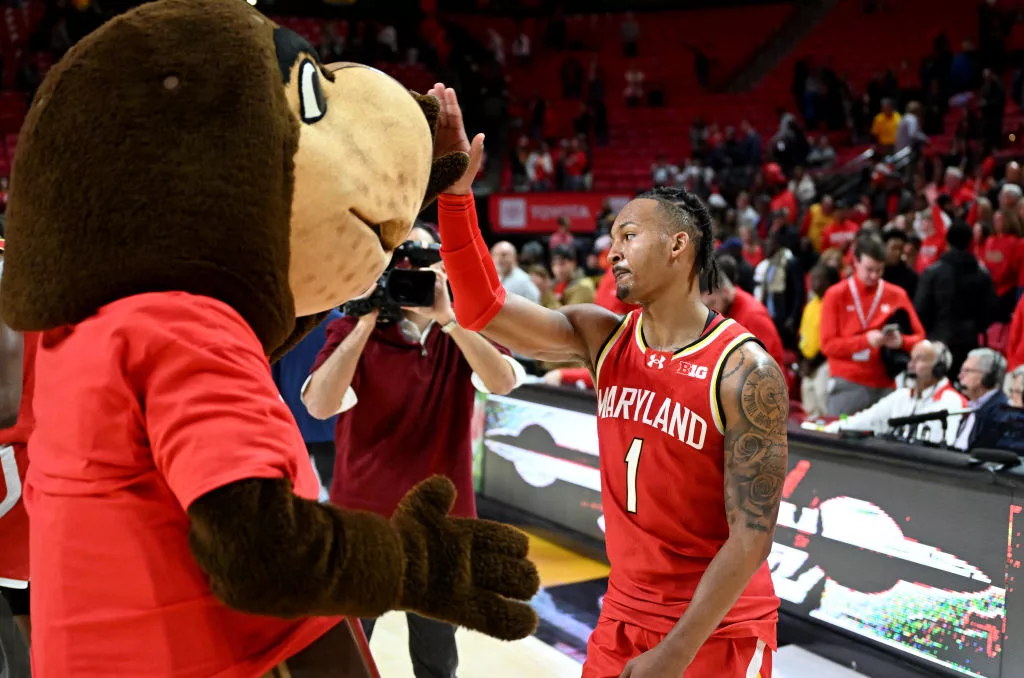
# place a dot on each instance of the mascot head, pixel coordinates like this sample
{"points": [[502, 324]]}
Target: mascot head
{"points": [[193, 145]]}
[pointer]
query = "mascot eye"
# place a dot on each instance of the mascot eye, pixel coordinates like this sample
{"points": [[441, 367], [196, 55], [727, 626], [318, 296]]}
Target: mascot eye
{"points": [[312, 104]]}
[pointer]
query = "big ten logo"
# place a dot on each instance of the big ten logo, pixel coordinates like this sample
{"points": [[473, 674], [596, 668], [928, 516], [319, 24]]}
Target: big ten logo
{"points": [[693, 371]]}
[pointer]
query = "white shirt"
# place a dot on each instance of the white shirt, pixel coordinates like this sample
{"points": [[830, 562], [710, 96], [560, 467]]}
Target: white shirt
{"points": [[905, 402], [963, 440]]}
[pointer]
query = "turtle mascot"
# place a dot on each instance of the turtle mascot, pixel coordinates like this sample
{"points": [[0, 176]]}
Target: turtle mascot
{"points": [[192, 191]]}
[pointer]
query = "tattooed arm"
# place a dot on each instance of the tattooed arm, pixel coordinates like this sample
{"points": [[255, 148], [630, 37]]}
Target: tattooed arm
{"points": [[755, 407]]}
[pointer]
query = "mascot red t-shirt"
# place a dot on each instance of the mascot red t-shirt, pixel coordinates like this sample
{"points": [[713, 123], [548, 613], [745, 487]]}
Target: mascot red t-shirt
{"points": [[183, 403]]}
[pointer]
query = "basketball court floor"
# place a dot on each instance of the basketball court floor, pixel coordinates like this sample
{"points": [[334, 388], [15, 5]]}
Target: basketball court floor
{"points": [[568, 605]]}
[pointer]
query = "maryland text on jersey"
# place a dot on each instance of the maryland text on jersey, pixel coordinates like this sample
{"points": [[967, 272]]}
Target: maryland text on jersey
{"points": [[649, 408]]}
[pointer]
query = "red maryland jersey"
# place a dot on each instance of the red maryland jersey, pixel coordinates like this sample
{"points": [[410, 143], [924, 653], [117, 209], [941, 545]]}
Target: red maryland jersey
{"points": [[662, 478], [13, 464]]}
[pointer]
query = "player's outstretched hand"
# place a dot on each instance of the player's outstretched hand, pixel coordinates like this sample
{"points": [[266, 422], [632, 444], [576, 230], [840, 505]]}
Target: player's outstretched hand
{"points": [[467, 572]]}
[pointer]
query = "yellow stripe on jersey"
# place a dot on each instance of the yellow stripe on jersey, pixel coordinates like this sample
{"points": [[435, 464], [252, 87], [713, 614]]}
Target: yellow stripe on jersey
{"points": [[715, 412], [608, 347], [698, 345]]}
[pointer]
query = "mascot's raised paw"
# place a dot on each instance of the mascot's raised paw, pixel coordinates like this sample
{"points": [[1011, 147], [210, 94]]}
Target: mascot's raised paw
{"points": [[471, 573]]}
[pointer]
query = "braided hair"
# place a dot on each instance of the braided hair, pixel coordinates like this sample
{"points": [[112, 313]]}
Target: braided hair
{"points": [[688, 213]]}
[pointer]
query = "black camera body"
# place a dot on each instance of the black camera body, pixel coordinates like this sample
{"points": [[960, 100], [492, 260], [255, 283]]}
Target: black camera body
{"points": [[398, 287]]}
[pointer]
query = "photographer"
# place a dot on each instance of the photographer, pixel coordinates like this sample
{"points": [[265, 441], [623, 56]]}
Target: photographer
{"points": [[404, 381]]}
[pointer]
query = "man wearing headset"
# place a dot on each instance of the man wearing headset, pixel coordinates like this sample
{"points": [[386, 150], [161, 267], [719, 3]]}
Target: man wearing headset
{"points": [[981, 379], [927, 389]]}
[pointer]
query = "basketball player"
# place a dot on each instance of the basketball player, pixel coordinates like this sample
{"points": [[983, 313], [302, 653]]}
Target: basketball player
{"points": [[16, 350], [692, 427]]}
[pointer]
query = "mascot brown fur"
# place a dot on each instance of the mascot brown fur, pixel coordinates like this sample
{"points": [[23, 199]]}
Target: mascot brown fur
{"points": [[192, 190]]}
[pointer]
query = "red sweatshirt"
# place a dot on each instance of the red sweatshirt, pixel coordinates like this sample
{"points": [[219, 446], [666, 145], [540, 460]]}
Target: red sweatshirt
{"points": [[1015, 341], [751, 313], [998, 253], [844, 336]]}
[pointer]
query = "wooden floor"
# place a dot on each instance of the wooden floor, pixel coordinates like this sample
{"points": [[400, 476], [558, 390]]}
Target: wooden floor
{"points": [[480, 655]]}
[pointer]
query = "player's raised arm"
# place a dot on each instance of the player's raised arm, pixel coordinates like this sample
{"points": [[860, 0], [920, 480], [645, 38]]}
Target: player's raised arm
{"points": [[481, 304], [755, 408]]}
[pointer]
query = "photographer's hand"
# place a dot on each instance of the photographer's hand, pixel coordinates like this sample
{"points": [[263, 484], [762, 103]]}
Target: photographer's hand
{"points": [[441, 312]]}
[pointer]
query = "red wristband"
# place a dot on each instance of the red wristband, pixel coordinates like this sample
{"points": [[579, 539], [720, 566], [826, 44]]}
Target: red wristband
{"points": [[476, 287]]}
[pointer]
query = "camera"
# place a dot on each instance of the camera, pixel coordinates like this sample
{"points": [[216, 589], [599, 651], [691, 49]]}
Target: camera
{"points": [[399, 286]]}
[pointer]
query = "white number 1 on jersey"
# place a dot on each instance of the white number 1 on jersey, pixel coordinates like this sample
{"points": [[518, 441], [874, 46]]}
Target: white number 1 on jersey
{"points": [[632, 466]]}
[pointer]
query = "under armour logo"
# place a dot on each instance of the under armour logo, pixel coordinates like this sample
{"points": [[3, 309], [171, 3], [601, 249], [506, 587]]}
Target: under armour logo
{"points": [[656, 361]]}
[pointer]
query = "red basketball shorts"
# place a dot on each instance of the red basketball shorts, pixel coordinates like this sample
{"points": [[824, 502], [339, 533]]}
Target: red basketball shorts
{"points": [[614, 643]]}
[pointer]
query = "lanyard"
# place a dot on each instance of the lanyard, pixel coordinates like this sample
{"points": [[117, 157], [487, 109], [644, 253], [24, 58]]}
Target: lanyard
{"points": [[864, 320]]}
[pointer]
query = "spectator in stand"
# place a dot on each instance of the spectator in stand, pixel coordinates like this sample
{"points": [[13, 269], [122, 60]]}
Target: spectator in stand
{"points": [[822, 155], [802, 187], [575, 164], [744, 271], [981, 379], [818, 217], [778, 187], [959, 192], [842, 231], [813, 365], [541, 278], [746, 215], [752, 143], [955, 298], [571, 286], [931, 226], [1015, 337], [563, 237], [732, 302], [853, 315], [751, 250], [909, 133], [912, 251], [521, 49], [514, 279], [779, 286], [1014, 388], [998, 253], [885, 126], [896, 270], [929, 390], [1009, 200], [663, 173], [540, 169], [634, 90]]}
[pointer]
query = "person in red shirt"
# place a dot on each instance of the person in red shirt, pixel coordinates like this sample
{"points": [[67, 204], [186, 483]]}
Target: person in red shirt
{"points": [[753, 253], [437, 364], [1015, 338], [841, 232], [856, 315], [732, 302], [17, 360], [782, 198], [931, 226], [689, 592], [998, 253]]}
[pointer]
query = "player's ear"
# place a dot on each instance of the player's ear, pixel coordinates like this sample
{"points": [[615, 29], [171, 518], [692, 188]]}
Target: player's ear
{"points": [[680, 242]]}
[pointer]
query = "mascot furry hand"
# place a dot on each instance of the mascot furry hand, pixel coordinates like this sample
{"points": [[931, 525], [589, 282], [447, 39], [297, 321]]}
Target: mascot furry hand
{"points": [[189, 181]]}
